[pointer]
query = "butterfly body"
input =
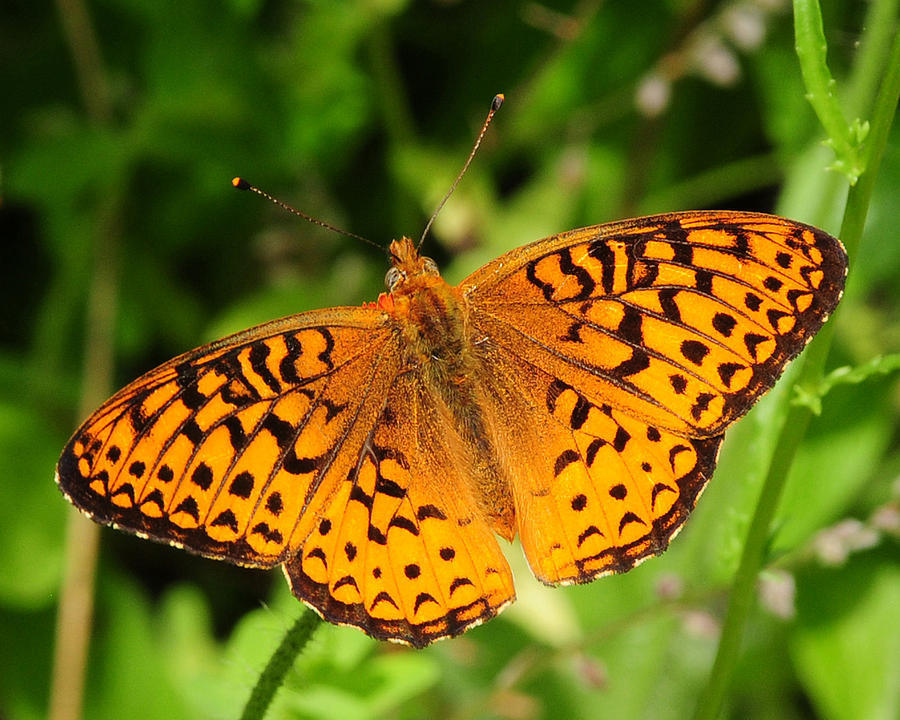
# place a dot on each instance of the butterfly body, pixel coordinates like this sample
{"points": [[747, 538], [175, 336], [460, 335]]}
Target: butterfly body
{"points": [[573, 392], [450, 360]]}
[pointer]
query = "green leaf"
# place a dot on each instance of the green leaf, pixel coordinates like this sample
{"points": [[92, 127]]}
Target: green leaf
{"points": [[130, 678], [846, 643], [32, 510]]}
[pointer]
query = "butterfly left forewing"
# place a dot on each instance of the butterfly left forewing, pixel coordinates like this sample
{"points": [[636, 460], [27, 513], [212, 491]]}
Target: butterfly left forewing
{"points": [[224, 450]]}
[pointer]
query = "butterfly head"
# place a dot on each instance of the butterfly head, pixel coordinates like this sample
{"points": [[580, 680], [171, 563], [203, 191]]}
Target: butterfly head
{"points": [[407, 264], [411, 275]]}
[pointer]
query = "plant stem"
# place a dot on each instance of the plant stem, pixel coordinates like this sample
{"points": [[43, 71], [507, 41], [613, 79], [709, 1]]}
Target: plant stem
{"points": [[742, 594], [882, 118], [282, 660], [811, 52], [76, 594]]}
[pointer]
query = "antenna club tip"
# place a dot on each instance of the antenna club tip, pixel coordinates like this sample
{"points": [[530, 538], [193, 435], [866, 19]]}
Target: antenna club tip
{"points": [[240, 183], [498, 101]]}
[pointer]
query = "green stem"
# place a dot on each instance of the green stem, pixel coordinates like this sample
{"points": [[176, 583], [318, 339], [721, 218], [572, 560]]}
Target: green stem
{"points": [[282, 660], [811, 52], [882, 118], [879, 25], [743, 592]]}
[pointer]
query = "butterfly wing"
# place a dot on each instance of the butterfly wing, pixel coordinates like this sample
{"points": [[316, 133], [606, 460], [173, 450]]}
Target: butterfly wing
{"points": [[596, 490], [403, 550], [250, 449], [636, 344], [224, 450]]}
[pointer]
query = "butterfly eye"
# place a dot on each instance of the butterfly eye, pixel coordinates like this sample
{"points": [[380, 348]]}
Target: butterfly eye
{"points": [[430, 266], [392, 277]]}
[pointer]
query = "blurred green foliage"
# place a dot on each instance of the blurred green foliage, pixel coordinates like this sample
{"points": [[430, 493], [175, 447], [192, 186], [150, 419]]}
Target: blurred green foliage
{"points": [[361, 113]]}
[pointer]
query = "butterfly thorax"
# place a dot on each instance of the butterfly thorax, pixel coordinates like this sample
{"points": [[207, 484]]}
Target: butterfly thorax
{"points": [[431, 317], [436, 336]]}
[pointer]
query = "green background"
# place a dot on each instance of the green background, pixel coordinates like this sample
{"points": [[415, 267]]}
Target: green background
{"points": [[119, 231]]}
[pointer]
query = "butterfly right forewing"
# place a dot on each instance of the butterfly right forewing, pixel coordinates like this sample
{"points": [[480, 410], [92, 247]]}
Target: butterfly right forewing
{"points": [[682, 320]]}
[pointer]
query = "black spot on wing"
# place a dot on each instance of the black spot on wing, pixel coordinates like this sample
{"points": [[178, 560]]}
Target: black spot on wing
{"points": [[287, 367], [694, 350], [579, 502], [226, 518], [627, 519], [189, 507], [579, 413], [429, 511], [404, 523], [242, 485], [565, 458], [202, 476], [280, 429], [325, 355], [383, 597], [724, 323], [423, 598], [274, 503], [350, 551], [191, 430], [601, 251], [592, 449]]}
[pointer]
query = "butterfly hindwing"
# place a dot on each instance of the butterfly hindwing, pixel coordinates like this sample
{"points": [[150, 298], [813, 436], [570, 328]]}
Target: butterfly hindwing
{"points": [[401, 550], [596, 490]]}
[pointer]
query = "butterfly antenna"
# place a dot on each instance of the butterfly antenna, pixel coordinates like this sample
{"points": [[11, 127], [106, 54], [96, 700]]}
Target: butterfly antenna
{"points": [[242, 184], [495, 106]]}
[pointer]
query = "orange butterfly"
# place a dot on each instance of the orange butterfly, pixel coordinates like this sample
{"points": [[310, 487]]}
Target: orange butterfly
{"points": [[573, 391]]}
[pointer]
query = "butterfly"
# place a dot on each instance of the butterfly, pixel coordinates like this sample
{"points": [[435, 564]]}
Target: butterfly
{"points": [[573, 392]]}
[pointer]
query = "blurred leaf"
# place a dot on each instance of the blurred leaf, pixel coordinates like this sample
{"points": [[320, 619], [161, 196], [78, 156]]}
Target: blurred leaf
{"points": [[846, 644], [835, 461], [193, 662], [129, 679], [32, 512]]}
